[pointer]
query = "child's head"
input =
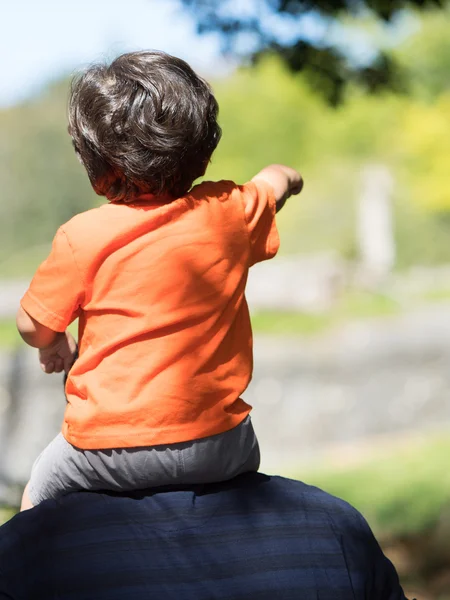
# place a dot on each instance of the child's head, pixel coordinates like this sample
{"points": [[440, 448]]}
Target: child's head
{"points": [[145, 124]]}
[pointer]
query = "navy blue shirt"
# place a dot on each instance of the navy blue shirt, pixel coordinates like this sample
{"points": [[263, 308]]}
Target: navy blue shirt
{"points": [[252, 538]]}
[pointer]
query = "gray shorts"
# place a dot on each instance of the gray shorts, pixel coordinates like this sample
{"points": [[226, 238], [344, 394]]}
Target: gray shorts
{"points": [[61, 468]]}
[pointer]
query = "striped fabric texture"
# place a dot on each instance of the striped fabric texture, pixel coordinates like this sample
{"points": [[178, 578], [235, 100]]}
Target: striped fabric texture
{"points": [[252, 538]]}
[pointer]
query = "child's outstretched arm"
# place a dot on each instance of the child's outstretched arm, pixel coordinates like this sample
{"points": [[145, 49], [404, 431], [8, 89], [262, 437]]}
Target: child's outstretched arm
{"points": [[285, 182], [56, 349]]}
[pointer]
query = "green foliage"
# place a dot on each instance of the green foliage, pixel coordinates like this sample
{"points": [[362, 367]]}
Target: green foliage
{"points": [[42, 184], [9, 336], [425, 56], [19, 262], [267, 115], [424, 151], [321, 58], [401, 492], [6, 514]]}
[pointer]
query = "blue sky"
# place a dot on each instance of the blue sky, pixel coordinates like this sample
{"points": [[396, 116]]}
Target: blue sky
{"points": [[44, 39]]}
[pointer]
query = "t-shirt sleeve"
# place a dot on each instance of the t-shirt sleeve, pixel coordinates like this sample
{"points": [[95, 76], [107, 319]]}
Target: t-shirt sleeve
{"points": [[259, 209], [56, 291]]}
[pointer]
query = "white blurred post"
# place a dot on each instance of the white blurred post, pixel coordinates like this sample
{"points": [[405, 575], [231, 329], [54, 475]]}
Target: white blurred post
{"points": [[375, 226]]}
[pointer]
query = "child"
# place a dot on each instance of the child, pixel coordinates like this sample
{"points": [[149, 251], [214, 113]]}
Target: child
{"points": [[156, 278]]}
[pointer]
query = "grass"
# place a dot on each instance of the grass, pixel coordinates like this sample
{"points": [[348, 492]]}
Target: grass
{"points": [[353, 305], [290, 323], [401, 493], [438, 295], [6, 514]]}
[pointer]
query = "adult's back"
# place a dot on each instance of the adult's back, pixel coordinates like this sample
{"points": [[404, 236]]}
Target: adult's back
{"points": [[255, 537]]}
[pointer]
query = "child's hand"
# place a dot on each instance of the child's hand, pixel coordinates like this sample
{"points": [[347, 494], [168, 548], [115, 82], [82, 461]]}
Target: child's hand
{"points": [[59, 355], [285, 182]]}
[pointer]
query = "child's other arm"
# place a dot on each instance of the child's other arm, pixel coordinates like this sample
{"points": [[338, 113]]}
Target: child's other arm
{"points": [[56, 349], [285, 182], [33, 333]]}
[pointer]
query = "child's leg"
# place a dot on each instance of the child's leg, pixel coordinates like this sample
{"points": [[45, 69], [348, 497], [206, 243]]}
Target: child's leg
{"points": [[221, 457], [215, 458], [62, 468], [26, 502], [45, 473], [58, 470]]}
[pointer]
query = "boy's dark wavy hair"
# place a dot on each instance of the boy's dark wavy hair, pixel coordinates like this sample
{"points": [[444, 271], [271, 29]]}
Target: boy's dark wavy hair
{"points": [[144, 124]]}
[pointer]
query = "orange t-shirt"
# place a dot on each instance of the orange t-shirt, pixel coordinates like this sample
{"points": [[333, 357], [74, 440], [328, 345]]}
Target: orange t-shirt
{"points": [[165, 339]]}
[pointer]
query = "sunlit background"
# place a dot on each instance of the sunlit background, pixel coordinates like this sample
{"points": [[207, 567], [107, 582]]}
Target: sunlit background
{"points": [[351, 320]]}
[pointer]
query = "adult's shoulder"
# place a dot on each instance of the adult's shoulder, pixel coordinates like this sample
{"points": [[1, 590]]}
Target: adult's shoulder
{"points": [[341, 516], [369, 569]]}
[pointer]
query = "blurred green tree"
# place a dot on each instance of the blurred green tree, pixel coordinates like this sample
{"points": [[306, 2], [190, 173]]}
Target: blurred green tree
{"points": [[253, 28], [424, 144], [43, 185], [424, 56]]}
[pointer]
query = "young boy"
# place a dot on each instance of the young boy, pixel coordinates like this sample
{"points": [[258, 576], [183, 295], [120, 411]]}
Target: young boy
{"points": [[156, 278]]}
